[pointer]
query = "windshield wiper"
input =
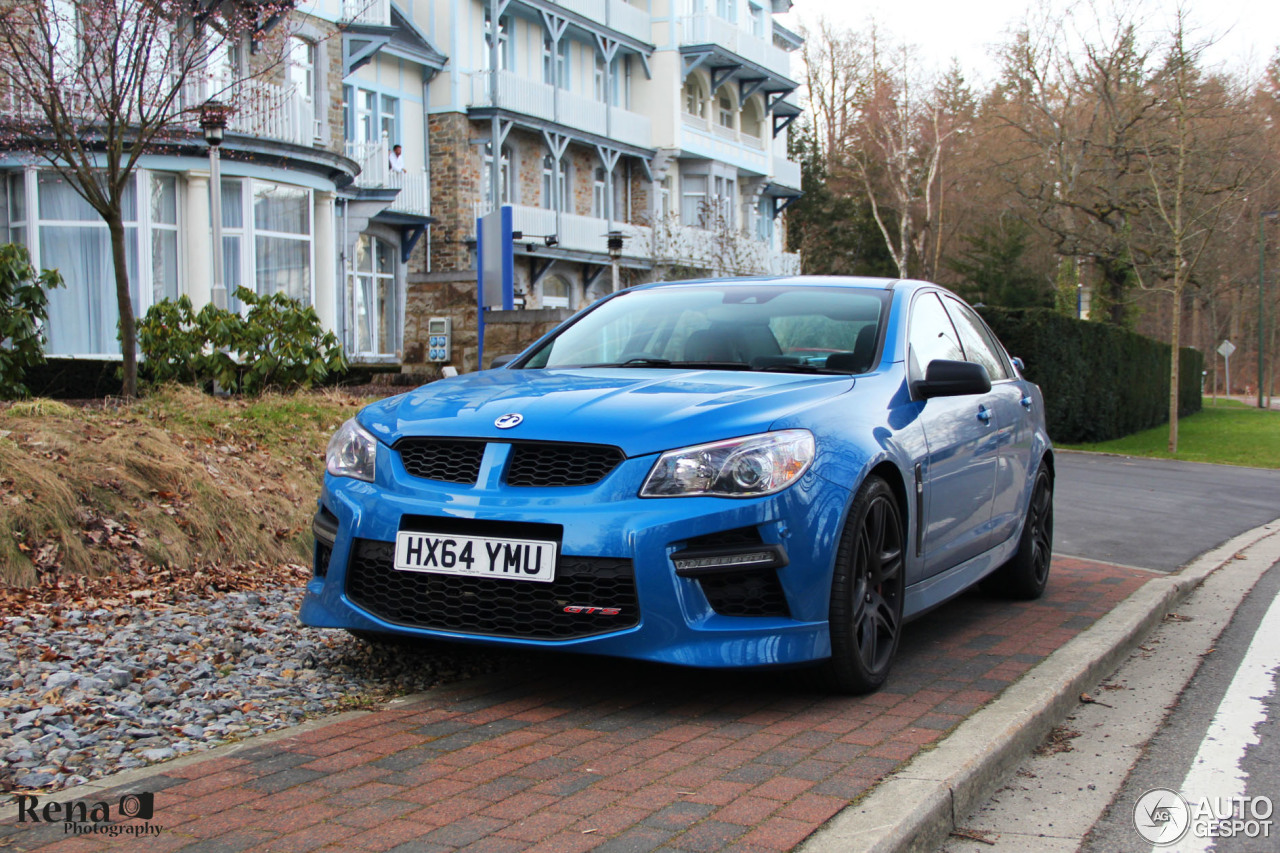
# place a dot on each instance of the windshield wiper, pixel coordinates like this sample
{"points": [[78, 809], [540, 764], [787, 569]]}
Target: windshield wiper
{"points": [[799, 368], [648, 361]]}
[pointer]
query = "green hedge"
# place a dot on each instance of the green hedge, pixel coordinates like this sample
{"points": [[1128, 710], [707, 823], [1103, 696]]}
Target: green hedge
{"points": [[1100, 382]]}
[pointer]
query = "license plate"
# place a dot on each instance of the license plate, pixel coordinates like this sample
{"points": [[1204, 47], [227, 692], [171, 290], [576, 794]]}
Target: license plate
{"points": [[476, 556]]}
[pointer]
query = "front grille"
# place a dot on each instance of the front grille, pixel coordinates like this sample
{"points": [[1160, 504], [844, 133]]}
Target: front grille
{"points": [[554, 464], [445, 459], [495, 607], [750, 593]]}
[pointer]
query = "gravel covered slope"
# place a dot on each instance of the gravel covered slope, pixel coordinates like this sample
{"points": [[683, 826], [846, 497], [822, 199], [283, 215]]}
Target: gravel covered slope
{"points": [[87, 692]]}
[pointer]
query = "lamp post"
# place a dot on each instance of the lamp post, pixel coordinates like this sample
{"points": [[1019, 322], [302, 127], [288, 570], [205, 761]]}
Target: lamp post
{"points": [[213, 121], [1262, 304], [614, 244]]}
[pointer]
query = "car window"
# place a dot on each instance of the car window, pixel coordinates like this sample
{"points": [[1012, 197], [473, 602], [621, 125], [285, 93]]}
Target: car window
{"points": [[931, 335], [979, 346], [730, 326]]}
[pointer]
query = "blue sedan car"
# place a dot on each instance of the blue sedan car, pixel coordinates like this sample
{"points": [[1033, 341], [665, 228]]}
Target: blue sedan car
{"points": [[709, 473]]}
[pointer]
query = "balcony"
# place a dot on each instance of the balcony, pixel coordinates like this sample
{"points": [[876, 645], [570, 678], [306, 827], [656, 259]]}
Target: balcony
{"points": [[375, 173], [540, 100], [722, 251], [257, 108], [786, 173], [374, 12], [706, 28]]}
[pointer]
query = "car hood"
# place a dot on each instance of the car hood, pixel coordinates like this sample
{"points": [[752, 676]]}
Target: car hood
{"points": [[640, 410]]}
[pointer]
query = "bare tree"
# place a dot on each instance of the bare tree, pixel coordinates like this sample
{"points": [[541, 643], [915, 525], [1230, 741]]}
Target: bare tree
{"points": [[1193, 157], [93, 85]]}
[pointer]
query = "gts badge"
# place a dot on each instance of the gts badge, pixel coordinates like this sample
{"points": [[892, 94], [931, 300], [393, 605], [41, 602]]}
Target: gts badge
{"points": [[592, 611]]}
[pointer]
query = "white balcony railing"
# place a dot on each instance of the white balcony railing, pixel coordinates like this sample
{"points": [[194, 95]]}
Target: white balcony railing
{"points": [[376, 172], [786, 172], [257, 108], [629, 20], [721, 251], [541, 100], [367, 12], [706, 28]]}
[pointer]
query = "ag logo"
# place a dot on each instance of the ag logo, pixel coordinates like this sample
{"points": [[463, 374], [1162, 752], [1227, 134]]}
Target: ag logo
{"points": [[508, 421], [1161, 816]]}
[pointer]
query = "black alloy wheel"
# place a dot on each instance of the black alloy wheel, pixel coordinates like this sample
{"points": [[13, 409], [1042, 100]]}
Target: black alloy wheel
{"points": [[867, 592], [1026, 574]]}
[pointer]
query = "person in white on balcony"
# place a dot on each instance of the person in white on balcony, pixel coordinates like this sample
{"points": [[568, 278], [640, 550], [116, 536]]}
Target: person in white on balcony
{"points": [[396, 159]]}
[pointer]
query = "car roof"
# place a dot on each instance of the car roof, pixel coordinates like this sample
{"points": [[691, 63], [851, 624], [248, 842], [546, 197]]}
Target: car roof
{"points": [[853, 282]]}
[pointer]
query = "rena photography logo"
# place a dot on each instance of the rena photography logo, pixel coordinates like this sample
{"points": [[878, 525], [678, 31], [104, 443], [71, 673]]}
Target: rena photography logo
{"points": [[132, 814], [1163, 817]]}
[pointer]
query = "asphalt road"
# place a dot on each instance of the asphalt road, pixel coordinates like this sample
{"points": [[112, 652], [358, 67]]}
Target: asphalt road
{"points": [[1215, 744], [1155, 513]]}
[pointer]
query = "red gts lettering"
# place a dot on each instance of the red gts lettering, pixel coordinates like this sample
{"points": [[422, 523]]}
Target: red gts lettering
{"points": [[602, 611]]}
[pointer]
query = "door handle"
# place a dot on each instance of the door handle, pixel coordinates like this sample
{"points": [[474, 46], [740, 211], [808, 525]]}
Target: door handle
{"points": [[984, 414], [1026, 402]]}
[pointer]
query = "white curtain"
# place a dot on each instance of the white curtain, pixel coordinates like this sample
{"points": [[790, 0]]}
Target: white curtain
{"points": [[83, 316]]}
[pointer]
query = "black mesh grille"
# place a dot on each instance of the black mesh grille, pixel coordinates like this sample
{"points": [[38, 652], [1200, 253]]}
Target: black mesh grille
{"points": [[444, 459], [726, 539], [323, 552], [493, 607], [755, 593], [561, 464]]}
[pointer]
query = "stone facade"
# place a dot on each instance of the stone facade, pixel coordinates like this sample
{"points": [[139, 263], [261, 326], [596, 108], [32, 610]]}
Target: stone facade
{"points": [[455, 185], [509, 332], [453, 295]]}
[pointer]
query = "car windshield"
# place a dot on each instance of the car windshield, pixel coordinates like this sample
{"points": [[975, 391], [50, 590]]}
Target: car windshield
{"points": [[793, 329]]}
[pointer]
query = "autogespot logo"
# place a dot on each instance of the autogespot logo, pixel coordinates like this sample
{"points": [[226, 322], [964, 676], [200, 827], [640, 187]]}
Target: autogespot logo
{"points": [[1161, 816]]}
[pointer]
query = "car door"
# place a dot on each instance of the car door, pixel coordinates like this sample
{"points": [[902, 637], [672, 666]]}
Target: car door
{"points": [[1012, 420], [958, 470]]}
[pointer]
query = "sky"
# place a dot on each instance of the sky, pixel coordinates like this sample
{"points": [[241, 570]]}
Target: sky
{"points": [[1248, 31]]}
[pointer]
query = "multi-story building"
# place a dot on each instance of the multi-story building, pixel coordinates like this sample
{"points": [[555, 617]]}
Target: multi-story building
{"points": [[661, 121], [353, 172], [310, 206]]}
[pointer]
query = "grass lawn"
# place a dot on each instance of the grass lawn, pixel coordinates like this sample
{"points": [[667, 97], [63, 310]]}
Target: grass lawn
{"points": [[1230, 433]]}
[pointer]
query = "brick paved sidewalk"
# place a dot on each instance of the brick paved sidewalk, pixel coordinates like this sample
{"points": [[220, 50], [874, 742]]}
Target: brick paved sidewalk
{"points": [[575, 753]]}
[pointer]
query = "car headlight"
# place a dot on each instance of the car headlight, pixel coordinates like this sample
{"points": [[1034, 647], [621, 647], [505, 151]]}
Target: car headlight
{"points": [[351, 452], [738, 468]]}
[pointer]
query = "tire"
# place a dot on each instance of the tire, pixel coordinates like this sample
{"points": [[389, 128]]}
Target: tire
{"points": [[1026, 574], [867, 590]]}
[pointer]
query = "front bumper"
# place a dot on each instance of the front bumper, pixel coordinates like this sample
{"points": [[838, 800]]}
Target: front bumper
{"points": [[672, 619]]}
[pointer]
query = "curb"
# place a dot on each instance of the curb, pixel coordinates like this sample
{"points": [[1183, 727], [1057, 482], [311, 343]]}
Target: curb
{"points": [[916, 808]]}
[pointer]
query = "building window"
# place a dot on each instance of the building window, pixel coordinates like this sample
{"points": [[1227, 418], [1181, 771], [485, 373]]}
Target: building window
{"points": [[725, 111], [486, 172], [505, 57], [598, 194], [302, 66], [374, 296], [693, 201], [282, 240], [555, 292], [366, 117], [73, 238], [722, 205], [234, 239], [664, 199], [16, 208], [164, 237], [600, 79], [727, 9], [695, 100], [757, 20], [389, 120]]}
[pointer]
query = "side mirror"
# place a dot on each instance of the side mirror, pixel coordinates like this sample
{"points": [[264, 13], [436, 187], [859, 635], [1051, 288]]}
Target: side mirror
{"points": [[1018, 363], [944, 378], [502, 360]]}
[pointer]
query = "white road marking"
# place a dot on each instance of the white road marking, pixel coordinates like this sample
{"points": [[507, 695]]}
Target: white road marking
{"points": [[1215, 772]]}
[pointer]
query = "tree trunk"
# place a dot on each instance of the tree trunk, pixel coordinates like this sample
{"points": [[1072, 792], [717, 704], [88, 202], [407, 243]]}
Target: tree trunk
{"points": [[1175, 370], [124, 303]]}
